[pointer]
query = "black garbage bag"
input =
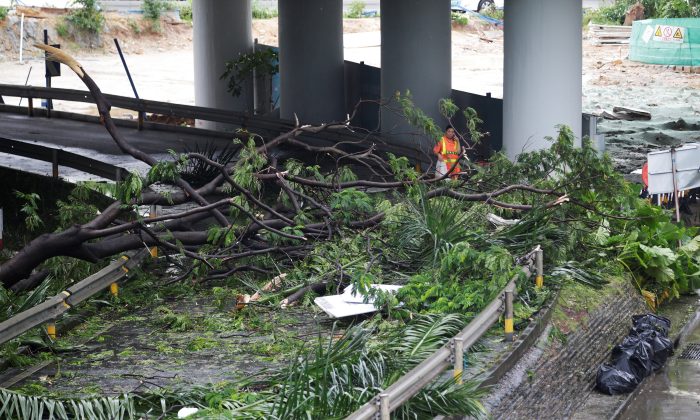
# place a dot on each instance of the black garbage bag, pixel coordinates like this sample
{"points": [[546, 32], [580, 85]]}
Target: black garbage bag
{"points": [[633, 356], [651, 322], [662, 347], [613, 381]]}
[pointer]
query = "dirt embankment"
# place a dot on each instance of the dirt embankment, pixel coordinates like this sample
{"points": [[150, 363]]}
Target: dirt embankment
{"points": [[136, 35]]}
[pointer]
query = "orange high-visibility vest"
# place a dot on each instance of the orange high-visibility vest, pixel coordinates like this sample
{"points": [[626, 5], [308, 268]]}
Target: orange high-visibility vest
{"points": [[450, 150]]}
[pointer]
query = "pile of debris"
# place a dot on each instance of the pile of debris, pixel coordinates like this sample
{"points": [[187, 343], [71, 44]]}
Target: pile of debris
{"points": [[624, 113]]}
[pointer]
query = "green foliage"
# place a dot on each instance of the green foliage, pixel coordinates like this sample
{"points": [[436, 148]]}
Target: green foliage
{"points": [[355, 9], [32, 219], [88, 18], [248, 164], [186, 11], [678, 9], [426, 228], [3, 12], [165, 171], [134, 25], [662, 256], [341, 375], [174, 322], [473, 122], [465, 281], [492, 12], [221, 236], [153, 9], [62, 29], [416, 117], [130, 189], [260, 12], [80, 206], [574, 271], [14, 405], [351, 205], [615, 13], [13, 304], [460, 19], [262, 62]]}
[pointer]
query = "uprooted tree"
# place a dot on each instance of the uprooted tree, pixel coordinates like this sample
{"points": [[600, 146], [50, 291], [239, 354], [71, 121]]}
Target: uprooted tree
{"points": [[260, 205]]}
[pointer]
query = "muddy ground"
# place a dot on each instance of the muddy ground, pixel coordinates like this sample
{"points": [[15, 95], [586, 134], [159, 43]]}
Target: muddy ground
{"points": [[162, 66]]}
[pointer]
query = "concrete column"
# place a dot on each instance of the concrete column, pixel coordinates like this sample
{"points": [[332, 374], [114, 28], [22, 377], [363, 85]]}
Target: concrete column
{"points": [[311, 60], [542, 80], [415, 56], [222, 31]]}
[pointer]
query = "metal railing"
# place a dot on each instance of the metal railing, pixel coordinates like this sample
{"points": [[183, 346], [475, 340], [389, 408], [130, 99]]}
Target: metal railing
{"points": [[256, 123], [59, 157], [55, 306], [450, 354]]}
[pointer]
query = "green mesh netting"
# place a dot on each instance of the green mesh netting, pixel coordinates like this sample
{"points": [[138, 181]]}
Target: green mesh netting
{"points": [[666, 41]]}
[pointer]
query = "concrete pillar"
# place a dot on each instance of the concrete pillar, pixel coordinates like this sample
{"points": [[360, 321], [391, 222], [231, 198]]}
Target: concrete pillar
{"points": [[415, 56], [222, 31], [542, 80], [311, 60]]}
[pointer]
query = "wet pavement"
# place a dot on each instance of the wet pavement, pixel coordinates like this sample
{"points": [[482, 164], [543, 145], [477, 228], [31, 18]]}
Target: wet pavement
{"points": [[203, 345], [92, 140], [674, 392]]}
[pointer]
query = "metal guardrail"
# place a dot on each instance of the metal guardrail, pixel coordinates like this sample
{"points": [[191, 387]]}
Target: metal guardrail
{"points": [[408, 385], [59, 157], [62, 302], [244, 120]]}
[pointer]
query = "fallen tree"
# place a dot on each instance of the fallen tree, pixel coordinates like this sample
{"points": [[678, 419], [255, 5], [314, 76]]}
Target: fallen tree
{"points": [[262, 205]]}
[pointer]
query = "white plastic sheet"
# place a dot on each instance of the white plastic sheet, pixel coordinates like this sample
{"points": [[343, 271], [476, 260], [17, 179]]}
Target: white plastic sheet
{"points": [[339, 306]]}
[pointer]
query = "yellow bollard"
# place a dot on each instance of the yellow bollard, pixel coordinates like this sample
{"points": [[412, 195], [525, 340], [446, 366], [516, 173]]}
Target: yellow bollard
{"points": [[114, 289], [508, 327], [539, 280], [51, 330]]}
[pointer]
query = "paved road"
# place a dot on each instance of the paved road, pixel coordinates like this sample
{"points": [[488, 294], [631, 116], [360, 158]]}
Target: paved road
{"points": [[672, 393], [90, 140]]}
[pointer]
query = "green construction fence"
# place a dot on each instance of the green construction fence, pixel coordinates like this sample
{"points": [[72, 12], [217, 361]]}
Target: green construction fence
{"points": [[666, 41]]}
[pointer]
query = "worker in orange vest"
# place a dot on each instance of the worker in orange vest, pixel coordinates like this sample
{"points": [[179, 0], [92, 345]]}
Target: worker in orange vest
{"points": [[448, 153]]}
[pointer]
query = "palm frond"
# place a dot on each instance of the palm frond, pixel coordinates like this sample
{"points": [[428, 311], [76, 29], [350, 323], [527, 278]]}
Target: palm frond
{"points": [[14, 405], [574, 271], [430, 226], [422, 337], [446, 398]]}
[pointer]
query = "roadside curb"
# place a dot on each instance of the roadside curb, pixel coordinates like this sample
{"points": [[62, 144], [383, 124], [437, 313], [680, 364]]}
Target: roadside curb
{"points": [[525, 341]]}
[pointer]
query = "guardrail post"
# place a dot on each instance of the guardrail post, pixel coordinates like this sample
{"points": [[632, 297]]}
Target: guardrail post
{"points": [[459, 359], [31, 106], [140, 120], [152, 213], [509, 315], [54, 163], [384, 412], [51, 330], [539, 258]]}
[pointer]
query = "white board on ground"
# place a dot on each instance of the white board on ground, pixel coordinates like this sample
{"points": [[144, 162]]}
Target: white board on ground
{"points": [[687, 169], [339, 306]]}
